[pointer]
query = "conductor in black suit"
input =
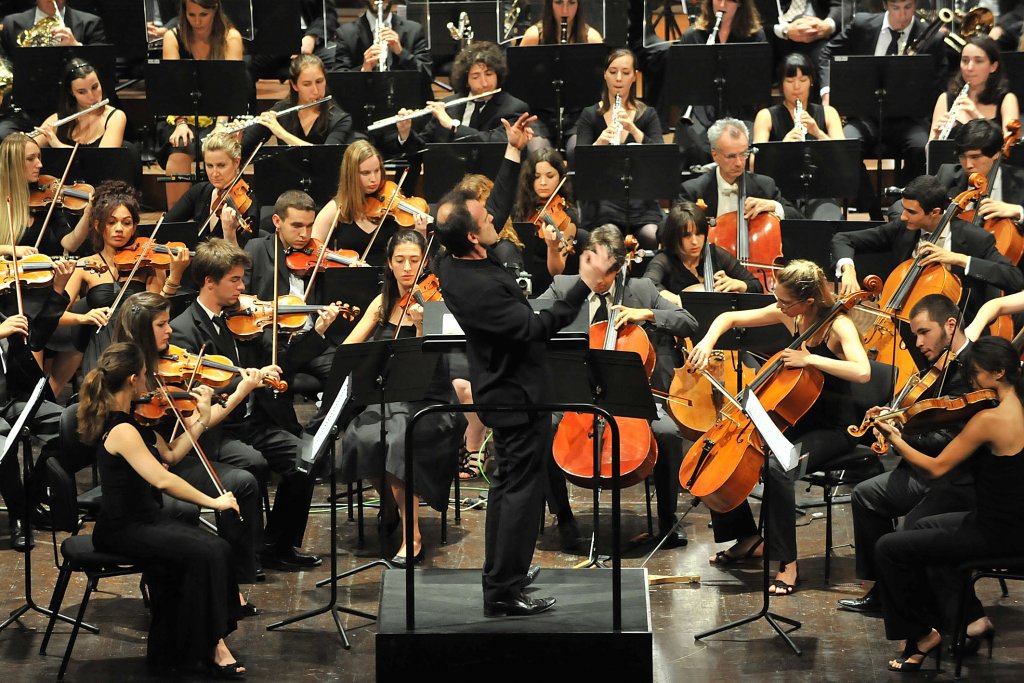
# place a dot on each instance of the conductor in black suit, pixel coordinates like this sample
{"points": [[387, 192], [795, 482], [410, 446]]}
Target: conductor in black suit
{"points": [[80, 28], [718, 188], [967, 251], [407, 48], [887, 33], [478, 69]]}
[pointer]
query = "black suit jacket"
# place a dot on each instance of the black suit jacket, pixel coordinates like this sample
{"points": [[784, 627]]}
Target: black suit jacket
{"points": [[706, 187], [954, 179], [43, 308], [87, 28], [990, 271], [258, 278], [861, 36], [313, 14], [194, 205], [355, 37]]}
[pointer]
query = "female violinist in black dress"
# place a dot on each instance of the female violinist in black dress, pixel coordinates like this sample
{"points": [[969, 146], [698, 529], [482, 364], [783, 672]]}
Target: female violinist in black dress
{"points": [[679, 264], [917, 568], [192, 589], [436, 435], [803, 295]]}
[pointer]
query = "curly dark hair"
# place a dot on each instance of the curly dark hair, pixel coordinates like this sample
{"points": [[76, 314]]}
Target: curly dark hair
{"points": [[108, 196], [482, 52], [526, 198]]}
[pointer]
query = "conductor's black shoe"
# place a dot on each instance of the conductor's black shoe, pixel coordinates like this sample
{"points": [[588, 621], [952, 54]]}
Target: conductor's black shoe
{"points": [[289, 560], [868, 604], [520, 606], [568, 535], [19, 539], [531, 575]]}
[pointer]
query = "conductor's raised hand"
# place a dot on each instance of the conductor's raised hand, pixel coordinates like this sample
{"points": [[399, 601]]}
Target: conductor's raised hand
{"points": [[519, 133]]}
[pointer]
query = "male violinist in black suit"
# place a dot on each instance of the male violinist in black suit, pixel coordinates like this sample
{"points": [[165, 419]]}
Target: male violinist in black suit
{"points": [[888, 33], [663, 321], [258, 437], [407, 47], [78, 28], [478, 69], [968, 251], [730, 148]]}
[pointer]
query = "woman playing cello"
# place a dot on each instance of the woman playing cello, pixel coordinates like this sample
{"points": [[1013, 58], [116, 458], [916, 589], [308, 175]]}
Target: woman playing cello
{"points": [[802, 296]]}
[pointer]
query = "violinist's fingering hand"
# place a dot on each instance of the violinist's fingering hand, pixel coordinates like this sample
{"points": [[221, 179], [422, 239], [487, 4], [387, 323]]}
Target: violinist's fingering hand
{"points": [[251, 379], [62, 272]]}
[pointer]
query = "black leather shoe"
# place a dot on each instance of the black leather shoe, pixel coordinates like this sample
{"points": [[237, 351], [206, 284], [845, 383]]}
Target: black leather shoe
{"points": [[250, 610], [676, 539], [19, 539], [868, 604], [399, 561], [568, 535], [531, 575], [520, 606], [289, 560], [260, 575]]}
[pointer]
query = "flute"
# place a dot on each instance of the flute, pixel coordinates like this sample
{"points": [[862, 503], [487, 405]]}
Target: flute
{"points": [[376, 125], [245, 123], [68, 119]]}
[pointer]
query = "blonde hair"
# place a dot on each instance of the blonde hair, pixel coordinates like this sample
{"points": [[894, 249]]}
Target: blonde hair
{"points": [[806, 280], [481, 186], [14, 184], [220, 142], [350, 197]]}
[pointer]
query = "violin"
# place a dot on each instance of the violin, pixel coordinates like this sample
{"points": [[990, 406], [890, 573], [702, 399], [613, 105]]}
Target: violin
{"points": [[157, 256], [152, 407], [935, 413], [305, 259], [252, 315], [574, 445], [405, 210], [239, 199], [554, 214], [427, 289], [178, 365], [73, 198], [723, 466], [36, 270], [756, 243], [910, 282]]}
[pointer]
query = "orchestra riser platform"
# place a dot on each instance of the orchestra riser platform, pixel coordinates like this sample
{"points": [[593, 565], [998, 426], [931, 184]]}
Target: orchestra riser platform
{"points": [[573, 640]]}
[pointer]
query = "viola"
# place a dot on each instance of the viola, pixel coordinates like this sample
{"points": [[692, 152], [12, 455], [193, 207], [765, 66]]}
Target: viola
{"points": [[756, 243], [723, 466], [427, 289], [73, 198], [150, 408], [910, 282], [252, 315], [157, 256], [935, 413], [305, 259], [389, 200], [178, 365], [36, 270], [554, 214], [573, 447]]}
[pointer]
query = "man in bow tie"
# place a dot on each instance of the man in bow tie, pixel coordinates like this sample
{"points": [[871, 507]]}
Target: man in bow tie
{"points": [[719, 187]]}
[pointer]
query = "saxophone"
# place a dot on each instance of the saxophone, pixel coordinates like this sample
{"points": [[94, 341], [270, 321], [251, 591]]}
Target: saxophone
{"points": [[616, 123], [798, 115], [953, 111], [382, 59]]}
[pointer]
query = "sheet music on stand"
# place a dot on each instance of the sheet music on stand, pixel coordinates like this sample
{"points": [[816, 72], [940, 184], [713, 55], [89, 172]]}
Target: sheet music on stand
{"points": [[781, 447], [313, 447], [34, 400]]}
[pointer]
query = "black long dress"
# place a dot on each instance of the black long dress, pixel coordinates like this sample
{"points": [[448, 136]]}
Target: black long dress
{"points": [[192, 587]]}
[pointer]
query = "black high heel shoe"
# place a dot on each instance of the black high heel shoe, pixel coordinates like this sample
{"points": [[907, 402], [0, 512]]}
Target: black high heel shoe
{"points": [[972, 644], [911, 650]]}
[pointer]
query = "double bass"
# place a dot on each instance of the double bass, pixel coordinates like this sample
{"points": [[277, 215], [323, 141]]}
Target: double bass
{"points": [[723, 466], [756, 243], [573, 447]]}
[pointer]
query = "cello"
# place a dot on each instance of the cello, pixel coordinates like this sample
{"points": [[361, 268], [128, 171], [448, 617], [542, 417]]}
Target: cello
{"points": [[1009, 240], [910, 282], [723, 466], [573, 447], [756, 243]]}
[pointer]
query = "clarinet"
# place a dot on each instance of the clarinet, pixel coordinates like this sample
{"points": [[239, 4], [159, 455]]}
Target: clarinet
{"points": [[798, 115], [616, 124], [718, 24], [382, 59], [953, 111], [563, 36]]}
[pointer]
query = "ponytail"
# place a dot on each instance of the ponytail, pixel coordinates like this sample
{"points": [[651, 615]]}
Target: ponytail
{"points": [[96, 397]]}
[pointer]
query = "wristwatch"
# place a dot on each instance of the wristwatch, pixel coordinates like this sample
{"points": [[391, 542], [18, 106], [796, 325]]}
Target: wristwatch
{"points": [[785, 31], [455, 124]]}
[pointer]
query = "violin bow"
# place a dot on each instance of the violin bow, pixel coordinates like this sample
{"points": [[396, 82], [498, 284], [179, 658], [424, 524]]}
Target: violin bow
{"points": [[56, 196], [273, 320], [415, 282], [219, 204], [391, 205], [124, 287], [217, 485], [191, 381], [553, 195], [320, 256], [14, 261], [951, 354]]}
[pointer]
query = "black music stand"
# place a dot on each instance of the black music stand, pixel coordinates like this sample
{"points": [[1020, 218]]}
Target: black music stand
{"points": [[277, 28], [815, 169], [444, 164], [1013, 67], [210, 87], [629, 171], [93, 164], [40, 72], [19, 434], [354, 286], [735, 75], [312, 168], [810, 240], [124, 22], [939, 152], [372, 95], [556, 77], [435, 16]]}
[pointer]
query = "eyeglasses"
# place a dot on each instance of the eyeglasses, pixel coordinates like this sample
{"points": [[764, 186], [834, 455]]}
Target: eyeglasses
{"points": [[783, 305], [745, 154]]}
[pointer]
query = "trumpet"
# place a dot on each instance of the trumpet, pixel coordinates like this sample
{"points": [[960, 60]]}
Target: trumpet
{"points": [[616, 123], [798, 116], [68, 119], [382, 123], [563, 35], [714, 31], [382, 56], [947, 127], [511, 17]]}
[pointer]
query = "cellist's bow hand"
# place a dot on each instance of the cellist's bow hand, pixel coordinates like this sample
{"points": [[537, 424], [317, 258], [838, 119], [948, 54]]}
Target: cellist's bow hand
{"points": [[930, 254], [848, 281], [625, 315]]}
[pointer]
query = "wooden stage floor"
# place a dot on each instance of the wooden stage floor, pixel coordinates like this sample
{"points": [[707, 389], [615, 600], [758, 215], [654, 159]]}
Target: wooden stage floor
{"points": [[837, 646]]}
